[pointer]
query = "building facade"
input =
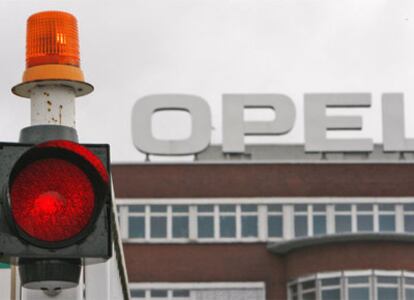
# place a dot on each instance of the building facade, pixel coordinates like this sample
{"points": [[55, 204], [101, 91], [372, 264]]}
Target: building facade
{"points": [[276, 223]]}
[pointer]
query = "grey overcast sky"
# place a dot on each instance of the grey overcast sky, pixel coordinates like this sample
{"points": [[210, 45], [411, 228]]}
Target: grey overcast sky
{"points": [[130, 49]]}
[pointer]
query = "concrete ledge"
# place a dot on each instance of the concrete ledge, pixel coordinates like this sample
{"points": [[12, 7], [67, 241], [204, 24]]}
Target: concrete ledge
{"points": [[297, 243]]}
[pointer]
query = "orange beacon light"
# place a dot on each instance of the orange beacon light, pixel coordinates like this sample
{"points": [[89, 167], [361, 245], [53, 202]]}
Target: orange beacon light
{"points": [[52, 54]]}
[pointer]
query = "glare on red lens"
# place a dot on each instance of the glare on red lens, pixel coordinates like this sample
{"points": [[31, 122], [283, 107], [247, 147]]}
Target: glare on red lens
{"points": [[52, 199], [48, 203], [80, 150]]}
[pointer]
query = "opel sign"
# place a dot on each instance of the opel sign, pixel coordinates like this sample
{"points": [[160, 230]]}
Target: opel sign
{"points": [[235, 128]]}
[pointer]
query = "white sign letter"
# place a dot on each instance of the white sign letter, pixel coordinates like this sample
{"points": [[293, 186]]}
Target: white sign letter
{"points": [[317, 122], [393, 128], [235, 128], [142, 135]]}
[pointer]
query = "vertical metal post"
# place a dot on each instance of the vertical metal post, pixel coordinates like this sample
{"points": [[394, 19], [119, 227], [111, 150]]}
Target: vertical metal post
{"points": [[53, 105], [50, 105]]}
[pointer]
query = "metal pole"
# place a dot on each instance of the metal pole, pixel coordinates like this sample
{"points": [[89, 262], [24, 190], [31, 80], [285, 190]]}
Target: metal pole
{"points": [[52, 112], [53, 105]]}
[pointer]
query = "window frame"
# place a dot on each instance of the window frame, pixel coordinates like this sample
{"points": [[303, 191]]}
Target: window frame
{"points": [[372, 284], [191, 287], [287, 215]]}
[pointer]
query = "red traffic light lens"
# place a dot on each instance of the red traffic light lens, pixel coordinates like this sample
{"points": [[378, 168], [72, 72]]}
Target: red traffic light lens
{"points": [[55, 191], [52, 199]]}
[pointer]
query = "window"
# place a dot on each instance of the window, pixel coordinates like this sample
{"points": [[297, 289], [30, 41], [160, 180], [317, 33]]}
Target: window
{"points": [[308, 290], [180, 220], [137, 294], [293, 292], [212, 221], [365, 217], [409, 288], [205, 221], [387, 287], [343, 218], [158, 221], [409, 218], [301, 220], [160, 294], [274, 220], [227, 219], [309, 219], [331, 289], [319, 219], [386, 217], [136, 222], [354, 285], [359, 288], [198, 291], [249, 221]]}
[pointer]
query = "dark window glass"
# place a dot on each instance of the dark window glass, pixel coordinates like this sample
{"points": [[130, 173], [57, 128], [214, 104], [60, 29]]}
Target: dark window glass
{"points": [[274, 207], [386, 207], [181, 293], [358, 279], [319, 207], [249, 226], [365, 207], [227, 226], [136, 208], [137, 293], [180, 227], [301, 207], [331, 295], [275, 226], [387, 223], [301, 226], [180, 208], [205, 208], [308, 285], [158, 227], [249, 208], [330, 281], [365, 223], [205, 227], [387, 279], [227, 208], [387, 293], [158, 208], [319, 225], [409, 223], [159, 293], [409, 294], [343, 224], [136, 227], [309, 296], [342, 207], [359, 293]]}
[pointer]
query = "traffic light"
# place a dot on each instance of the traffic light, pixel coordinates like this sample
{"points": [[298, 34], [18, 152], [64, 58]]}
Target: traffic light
{"points": [[55, 206], [55, 194]]}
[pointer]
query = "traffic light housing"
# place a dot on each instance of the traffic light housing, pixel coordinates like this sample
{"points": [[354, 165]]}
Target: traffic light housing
{"points": [[56, 209], [55, 202]]}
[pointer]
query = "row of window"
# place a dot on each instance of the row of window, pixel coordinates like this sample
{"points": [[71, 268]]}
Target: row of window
{"points": [[162, 294], [198, 291], [251, 222], [360, 285]]}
